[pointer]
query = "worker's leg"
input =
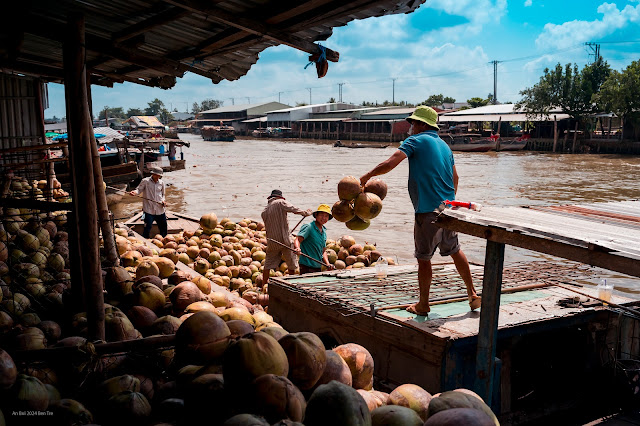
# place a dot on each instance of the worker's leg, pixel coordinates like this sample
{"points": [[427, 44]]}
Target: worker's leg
{"points": [[161, 220], [148, 223], [449, 246], [265, 276], [271, 261], [425, 274], [426, 239]]}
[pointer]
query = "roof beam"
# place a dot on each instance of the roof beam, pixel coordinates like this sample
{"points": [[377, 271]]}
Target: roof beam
{"points": [[162, 18], [252, 26]]}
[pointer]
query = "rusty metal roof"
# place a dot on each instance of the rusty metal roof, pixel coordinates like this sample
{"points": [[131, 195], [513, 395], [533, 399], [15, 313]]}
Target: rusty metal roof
{"points": [[151, 42]]}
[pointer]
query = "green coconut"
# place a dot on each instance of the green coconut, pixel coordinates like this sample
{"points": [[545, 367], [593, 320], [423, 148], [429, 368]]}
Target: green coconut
{"points": [[29, 393], [201, 338], [118, 327], [30, 338], [149, 296], [459, 399], [336, 404], [307, 358], [56, 262], [69, 412], [411, 396], [245, 420], [208, 222], [367, 206], [358, 224], [128, 408], [235, 313], [147, 268], [115, 385], [275, 332], [165, 325], [342, 211], [250, 356], [360, 363], [460, 416], [349, 188], [54, 394], [394, 415]]}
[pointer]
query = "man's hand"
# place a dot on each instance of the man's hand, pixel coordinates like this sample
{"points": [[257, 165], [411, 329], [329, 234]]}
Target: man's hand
{"points": [[164, 204], [330, 267], [364, 179], [132, 193], [308, 212], [297, 251]]}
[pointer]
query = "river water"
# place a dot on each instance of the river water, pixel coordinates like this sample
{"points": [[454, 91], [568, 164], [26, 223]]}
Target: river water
{"points": [[234, 179]]}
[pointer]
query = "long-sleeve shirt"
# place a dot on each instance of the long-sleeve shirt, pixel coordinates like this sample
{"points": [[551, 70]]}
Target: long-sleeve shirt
{"points": [[274, 217], [153, 193]]}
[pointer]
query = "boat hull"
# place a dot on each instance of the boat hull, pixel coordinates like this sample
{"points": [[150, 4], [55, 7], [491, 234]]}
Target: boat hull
{"points": [[473, 147]]}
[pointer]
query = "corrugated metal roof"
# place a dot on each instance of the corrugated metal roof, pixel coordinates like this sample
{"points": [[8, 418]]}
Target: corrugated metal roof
{"points": [[234, 108], [153, 43], [256, 120], [392, 111], [302, 107], [447, 118], [144, 121]]}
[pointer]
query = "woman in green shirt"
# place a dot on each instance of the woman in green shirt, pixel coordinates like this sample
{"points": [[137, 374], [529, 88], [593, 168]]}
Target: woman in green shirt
{"points": [[312, 240]]}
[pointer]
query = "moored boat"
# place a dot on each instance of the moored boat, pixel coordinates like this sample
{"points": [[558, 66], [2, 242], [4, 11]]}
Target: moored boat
{"points": [[218, 133], [339, 144]]}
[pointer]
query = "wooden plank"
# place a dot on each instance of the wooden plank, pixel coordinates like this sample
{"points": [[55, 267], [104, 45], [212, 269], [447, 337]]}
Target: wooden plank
{"points": [[488, 332], [614, 262], [30, 203]]}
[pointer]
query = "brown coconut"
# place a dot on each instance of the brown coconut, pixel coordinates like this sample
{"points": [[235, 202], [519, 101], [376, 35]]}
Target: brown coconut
{"points": [[276, 398], [166, 325], [250, 356], [177, 277], [335, 369], [307, 358], [349, 188], [145, 268], [130, 258], [203, 284], [376, 186], [360, 363], [367, 206], [28, 393], [8, 370], [200, 306], [342, 211], [153, 279], [51, 330], [141, 317], [236, 313], [185, 294], [201, 338], [372, 402], [208, 222], [275, 332], [239, 328], [411, 396]]}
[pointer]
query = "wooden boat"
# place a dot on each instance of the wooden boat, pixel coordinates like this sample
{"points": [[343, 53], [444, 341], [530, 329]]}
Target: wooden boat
{"points": [[280, 132], [176, 222], [218, 133], [516, 144], [260, 133], [339, 144]]}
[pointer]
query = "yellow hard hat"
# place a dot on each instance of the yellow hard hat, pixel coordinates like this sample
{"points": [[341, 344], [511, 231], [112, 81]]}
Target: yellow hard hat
{"points": [[325, 209]]}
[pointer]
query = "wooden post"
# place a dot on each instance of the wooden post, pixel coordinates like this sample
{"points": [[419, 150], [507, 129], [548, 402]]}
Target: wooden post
{"points": [[80, 130], [575, 138], [488, 331], [564, 141], [104, 218], [555, 133], [498, 133]]}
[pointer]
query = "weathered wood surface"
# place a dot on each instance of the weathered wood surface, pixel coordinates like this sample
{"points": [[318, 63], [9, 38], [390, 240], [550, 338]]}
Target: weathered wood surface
{"points": [[175, 223], [604, 244]]}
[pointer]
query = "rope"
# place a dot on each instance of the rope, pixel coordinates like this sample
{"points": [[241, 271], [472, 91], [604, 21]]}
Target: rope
{"points": [[322, 57]]}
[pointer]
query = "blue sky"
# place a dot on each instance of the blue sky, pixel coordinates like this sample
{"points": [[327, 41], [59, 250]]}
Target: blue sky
{"points": [[444, 47]]}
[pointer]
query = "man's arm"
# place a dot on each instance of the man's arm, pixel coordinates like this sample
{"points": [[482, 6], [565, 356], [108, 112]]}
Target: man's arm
{"points": [[325, 259], [290, 208], [139, 189], [296, 244], [455, 180], [385, 167]]}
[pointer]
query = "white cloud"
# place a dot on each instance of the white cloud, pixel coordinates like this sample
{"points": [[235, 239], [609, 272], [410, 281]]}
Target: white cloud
{"points": [[478, 12], [528, 3], [575, 32]]}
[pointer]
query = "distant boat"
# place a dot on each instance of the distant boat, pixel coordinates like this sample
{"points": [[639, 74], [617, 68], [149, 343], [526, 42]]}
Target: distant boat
{"points": [[339, 144], [260, 133], [218, 133], [516, 144], [469, 142]]}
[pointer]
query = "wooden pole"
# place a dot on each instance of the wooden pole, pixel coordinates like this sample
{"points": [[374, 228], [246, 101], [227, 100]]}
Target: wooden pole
{"points": [[564, 141], [575, 138], [498, 133], [80, 132], [488, 327], [555, 133], [111, 252]]}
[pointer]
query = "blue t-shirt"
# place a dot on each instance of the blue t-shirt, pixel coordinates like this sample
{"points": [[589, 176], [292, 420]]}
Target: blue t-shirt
{"points": [[313, 244], [430, 170]]}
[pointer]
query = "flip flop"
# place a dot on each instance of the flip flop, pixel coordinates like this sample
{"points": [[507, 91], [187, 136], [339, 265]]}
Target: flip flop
{"points": [[475, 302], [412, 309]]}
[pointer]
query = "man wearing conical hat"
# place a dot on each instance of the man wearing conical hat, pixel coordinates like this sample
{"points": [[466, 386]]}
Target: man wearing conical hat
{"points": [[312, 240], [432, 179]]}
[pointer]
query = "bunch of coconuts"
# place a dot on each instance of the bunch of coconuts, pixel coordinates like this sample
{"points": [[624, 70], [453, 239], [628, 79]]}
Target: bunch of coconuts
{"points": [[357, 205]]}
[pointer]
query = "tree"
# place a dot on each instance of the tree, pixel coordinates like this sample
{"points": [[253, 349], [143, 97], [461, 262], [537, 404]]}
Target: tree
{"points": [[620, 94], [112, 113], [477, 102], [134, 111], [208, 104], [567, 89], [155, 107], [195, 108], [332, 100]]}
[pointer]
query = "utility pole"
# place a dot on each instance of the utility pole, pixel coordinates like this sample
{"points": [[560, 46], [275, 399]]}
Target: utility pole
{"points": [[393, 93], [495, 81], [595, 50], [309, 89], [248, 100], [233, 101], [279, 93], [340, 91]]}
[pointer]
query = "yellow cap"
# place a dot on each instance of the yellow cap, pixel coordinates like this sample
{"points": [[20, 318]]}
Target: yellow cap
{"points": [[426, 115], [325, 209]]}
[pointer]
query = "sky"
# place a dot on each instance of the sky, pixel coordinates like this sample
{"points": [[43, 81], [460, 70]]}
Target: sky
{"points": [[444, 47]]}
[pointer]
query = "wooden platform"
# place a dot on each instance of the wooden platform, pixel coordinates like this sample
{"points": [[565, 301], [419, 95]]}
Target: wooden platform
{"points": [[176, 222]]}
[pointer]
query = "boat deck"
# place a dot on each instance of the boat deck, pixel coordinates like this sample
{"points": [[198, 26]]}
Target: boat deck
{"points": [[176, 223]]}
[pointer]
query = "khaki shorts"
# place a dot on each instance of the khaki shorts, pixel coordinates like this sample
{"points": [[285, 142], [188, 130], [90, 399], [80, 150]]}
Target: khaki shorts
{"points": [[427, 237], [274, 255]]}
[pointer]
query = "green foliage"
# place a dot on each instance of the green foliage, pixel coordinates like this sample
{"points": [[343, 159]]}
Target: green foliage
{"points": [[477, 102], [112, 113], [332, 100], [566, 88], [155, 107], [134, 111], [205, 105], [437, 100], [620, 93]]}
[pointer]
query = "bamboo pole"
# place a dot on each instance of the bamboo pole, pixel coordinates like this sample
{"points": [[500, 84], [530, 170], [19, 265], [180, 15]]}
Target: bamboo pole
{"points": [[575, 138], [80, 132]]}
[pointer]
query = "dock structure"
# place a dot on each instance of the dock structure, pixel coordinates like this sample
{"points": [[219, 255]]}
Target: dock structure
{"points": [[534, 334]]}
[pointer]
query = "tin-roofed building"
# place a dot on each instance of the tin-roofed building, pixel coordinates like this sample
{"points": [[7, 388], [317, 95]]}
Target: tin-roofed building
{"points": [[235, 115], [142, 122]]}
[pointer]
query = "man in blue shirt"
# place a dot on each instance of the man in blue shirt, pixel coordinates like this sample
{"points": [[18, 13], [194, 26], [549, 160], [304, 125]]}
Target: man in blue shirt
{"points": [[432, 179], [312, 240]]}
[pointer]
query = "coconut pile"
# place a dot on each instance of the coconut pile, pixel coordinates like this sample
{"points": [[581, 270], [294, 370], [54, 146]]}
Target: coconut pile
{"points": [[358, 205], [228, 362], [22, 188]]}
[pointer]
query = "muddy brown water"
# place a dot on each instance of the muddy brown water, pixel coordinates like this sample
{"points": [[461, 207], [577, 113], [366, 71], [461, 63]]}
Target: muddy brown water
{"points": [[233, 179]]}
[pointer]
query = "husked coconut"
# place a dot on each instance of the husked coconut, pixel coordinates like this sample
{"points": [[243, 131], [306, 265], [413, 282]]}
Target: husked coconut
{"points": [[376, 186], [360, 363]]}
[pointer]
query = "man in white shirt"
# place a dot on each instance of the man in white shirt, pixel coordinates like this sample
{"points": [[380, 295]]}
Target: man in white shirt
{"points": [[153, 202]]}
